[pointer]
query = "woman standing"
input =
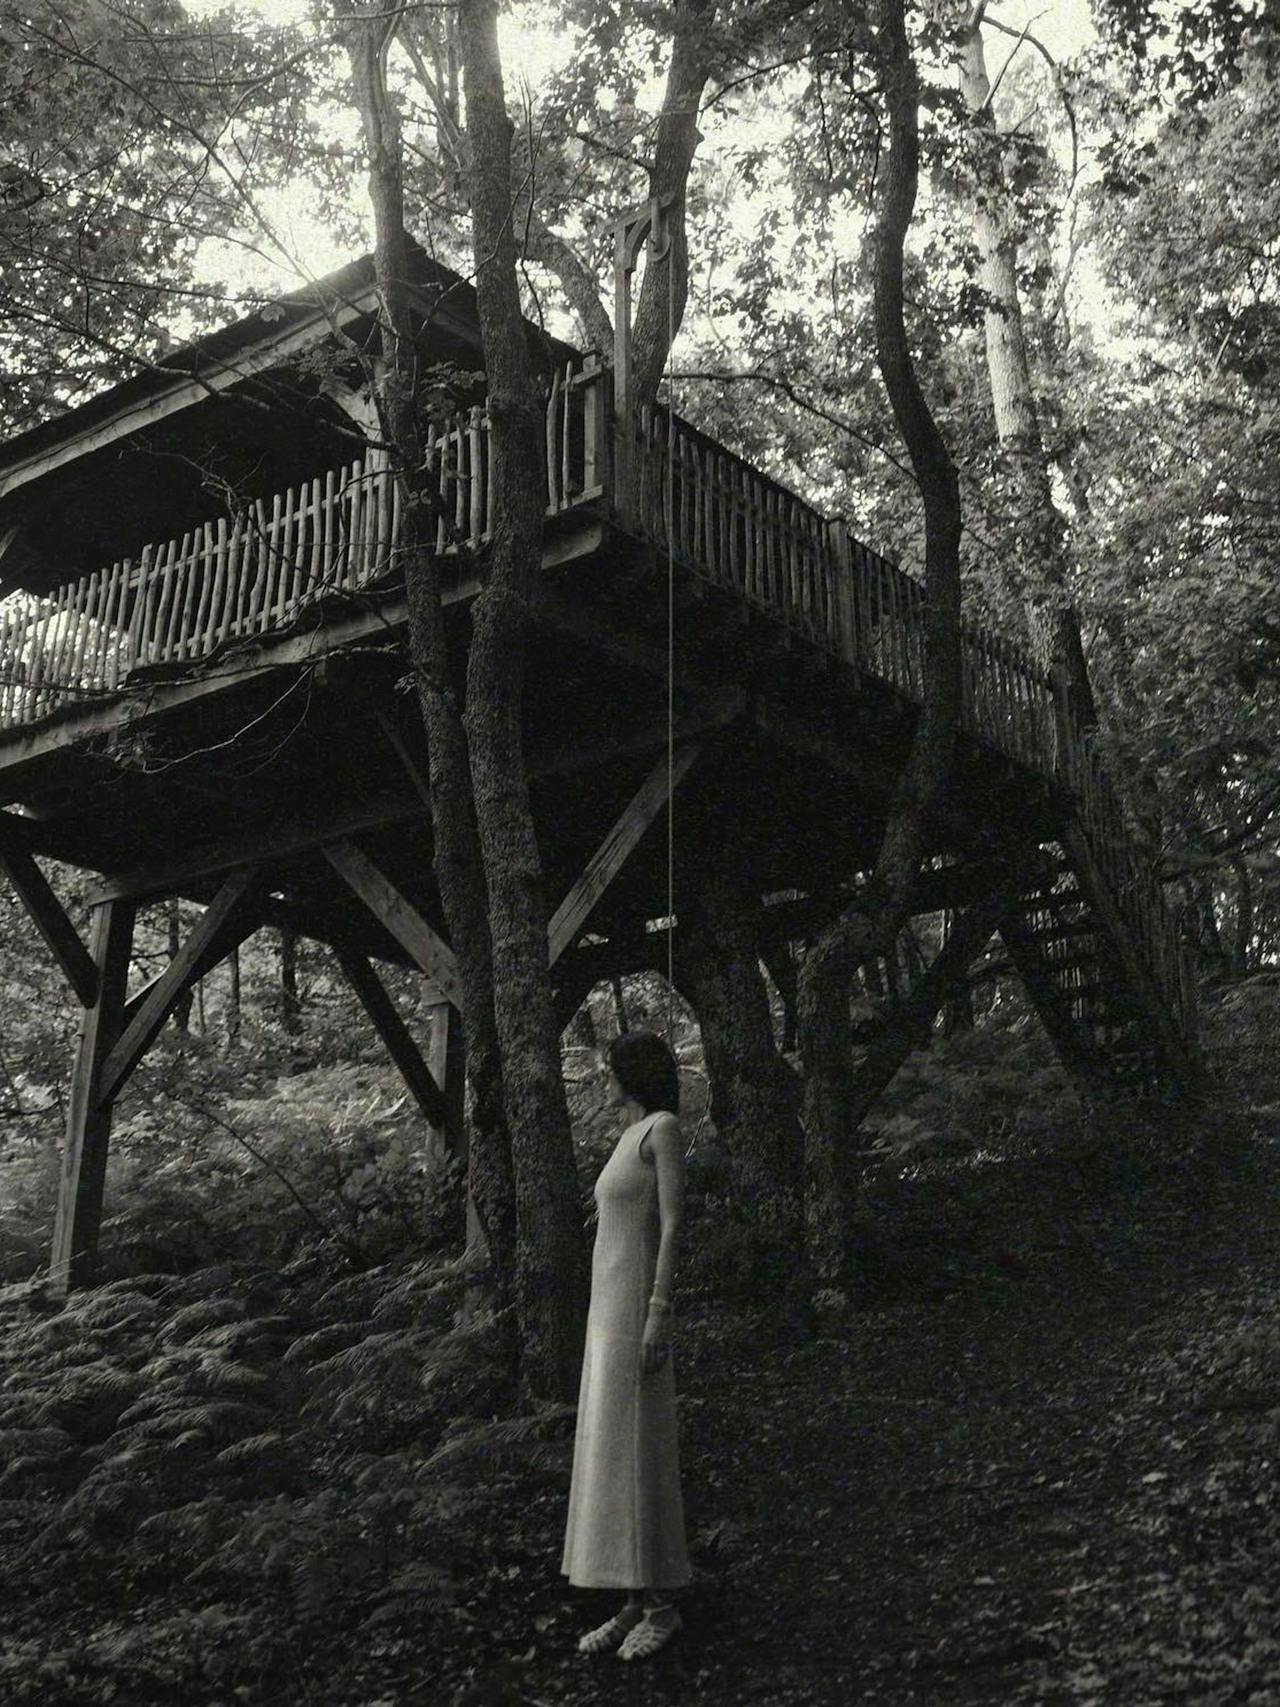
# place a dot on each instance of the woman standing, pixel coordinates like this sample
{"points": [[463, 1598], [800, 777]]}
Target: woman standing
{"points": [[626, 1521]]}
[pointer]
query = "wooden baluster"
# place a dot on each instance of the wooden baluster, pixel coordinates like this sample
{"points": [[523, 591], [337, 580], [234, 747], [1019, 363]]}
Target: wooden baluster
{"points": [[460, 482], [138, 611], [86, 594], [384, 485], [475, 493], [108, 661], [551, 438], [375, 473], [230, 568], [283, 523], [566, 469], [193, 623], [192, 574], [490, 485], [293, 550], [40, 661], [92, 667], [314, 568], [9, 660], [80, 595], [329, 572], [356, 564], [252, 551], [57, 645], [159, 590], [167, 619]]}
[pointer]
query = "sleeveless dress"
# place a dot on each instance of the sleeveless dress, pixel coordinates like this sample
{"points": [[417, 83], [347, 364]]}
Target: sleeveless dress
{"points": [[625, 1526]]}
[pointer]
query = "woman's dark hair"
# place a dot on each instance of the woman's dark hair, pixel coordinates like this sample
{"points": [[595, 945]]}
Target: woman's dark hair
{"points": [[646, 1070]]}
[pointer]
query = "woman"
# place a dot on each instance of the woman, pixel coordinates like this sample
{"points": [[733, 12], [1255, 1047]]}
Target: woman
{"points": [[626, 1521]]}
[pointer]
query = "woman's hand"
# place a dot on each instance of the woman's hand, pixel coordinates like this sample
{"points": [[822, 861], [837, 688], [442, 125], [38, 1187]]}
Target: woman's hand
{"points": [[655, 1347]]}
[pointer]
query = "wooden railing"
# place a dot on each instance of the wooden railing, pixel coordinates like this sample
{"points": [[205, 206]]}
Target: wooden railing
{"points": [[730, 523], [255, 572]]}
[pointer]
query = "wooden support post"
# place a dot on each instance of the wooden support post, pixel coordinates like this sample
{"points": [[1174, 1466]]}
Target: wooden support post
{"points": [[49, 916], [447, 1060], [609, 858], [224, 925], [398, 916], [423, 1085], [84, 1157]]}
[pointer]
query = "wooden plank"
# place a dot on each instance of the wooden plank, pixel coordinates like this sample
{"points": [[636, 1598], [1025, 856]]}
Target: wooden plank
{"points": [[397, 914], [404, 1052], [84, 1156], [49, 917], [224, 925], [609, 858]]}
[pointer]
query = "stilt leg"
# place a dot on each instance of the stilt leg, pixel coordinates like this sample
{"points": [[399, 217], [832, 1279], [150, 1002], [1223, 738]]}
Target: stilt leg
{"points": [[84, 1159]]}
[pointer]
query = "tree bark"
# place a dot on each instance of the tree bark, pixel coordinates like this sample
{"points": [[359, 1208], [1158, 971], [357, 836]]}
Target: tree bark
{"points": [[1042, 571], [755, 1095], [550, 1289], [869, 927], [457, 859]]}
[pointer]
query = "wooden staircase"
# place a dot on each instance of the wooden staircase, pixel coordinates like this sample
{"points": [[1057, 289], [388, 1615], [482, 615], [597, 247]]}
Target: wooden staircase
{"points": [[1106, 1014]]}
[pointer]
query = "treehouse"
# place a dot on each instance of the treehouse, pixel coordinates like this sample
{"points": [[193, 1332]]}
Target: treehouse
{"points": [[203, 663]]}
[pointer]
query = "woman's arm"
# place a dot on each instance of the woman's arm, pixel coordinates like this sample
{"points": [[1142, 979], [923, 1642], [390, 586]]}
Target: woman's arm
{"points": [[666, 1145]]}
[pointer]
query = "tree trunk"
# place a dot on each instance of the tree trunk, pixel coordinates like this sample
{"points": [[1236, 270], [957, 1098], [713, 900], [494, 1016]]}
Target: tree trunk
{"points": [[182, 1007], [666, 281], [233, 996], [754, 1093], [290, 1007], [457, 860], [1042, 568], [550, 1286], [869, 927]]}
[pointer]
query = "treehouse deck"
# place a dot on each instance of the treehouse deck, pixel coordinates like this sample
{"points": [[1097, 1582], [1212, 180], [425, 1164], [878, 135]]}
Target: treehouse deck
{"points": [[224, 715]]}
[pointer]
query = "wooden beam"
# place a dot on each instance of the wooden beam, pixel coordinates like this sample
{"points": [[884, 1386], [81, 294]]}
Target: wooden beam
{"points": [[404, 1052], [379, 618], [289, 840], [84, 1156], [398, 916], [50, 918], [609, 858], [223, 926]]}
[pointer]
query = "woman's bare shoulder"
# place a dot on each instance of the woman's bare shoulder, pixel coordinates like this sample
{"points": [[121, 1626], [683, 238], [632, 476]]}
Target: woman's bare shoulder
{"points": [[664, 1134]]}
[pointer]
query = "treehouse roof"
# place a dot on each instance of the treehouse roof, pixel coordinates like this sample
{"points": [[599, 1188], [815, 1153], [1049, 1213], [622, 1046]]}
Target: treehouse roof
{"points": [[235, 408]]}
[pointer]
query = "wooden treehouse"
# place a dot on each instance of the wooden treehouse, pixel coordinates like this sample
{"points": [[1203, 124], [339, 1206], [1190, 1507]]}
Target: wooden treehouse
{"points": [[202, 664]]}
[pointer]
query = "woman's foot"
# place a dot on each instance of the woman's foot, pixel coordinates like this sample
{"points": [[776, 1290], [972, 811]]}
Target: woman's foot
{"points": [[607, 1637], [654, 1630]]}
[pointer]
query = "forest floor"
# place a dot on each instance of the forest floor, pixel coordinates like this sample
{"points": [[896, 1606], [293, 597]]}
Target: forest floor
{"points": [[1060, 1490], [1034, 1464]]}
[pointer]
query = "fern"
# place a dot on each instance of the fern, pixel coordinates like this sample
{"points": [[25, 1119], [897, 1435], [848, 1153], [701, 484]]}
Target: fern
{"points": [[523, 1439]]}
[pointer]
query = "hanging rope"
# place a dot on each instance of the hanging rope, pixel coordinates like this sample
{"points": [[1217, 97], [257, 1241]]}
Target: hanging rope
{"points": [[670, 520]]}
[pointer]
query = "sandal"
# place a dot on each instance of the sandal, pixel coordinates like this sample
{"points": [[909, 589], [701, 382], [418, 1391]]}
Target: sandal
{"points": [[606, 1637], [646, 1638]]}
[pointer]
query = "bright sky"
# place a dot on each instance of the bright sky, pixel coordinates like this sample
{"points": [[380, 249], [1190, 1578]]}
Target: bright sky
{"points": [[531, 53]]}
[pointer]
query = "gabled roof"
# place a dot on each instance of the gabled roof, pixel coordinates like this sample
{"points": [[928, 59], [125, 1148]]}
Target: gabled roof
{"points": [[229, 356]]}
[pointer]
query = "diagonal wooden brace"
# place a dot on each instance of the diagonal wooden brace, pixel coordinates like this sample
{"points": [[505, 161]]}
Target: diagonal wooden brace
{"points": [[49, 916], [398, 916], [613, 852], [226, 922], [389, 1026]]}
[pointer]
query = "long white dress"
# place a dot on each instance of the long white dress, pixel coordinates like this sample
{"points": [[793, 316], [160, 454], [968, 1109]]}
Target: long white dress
{"points": [[625, 1527]]}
